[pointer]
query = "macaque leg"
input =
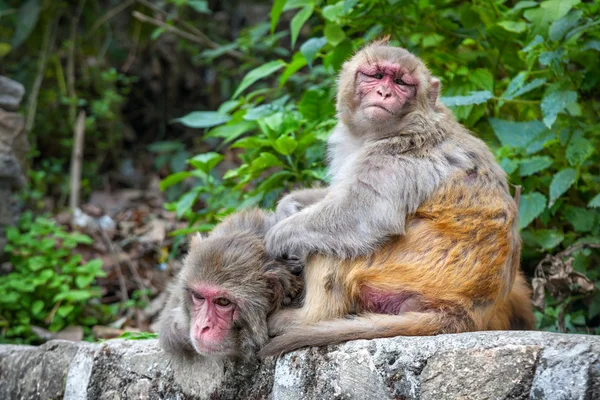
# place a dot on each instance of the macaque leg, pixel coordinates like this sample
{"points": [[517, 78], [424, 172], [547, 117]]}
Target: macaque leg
{"points": [[324, 297]]}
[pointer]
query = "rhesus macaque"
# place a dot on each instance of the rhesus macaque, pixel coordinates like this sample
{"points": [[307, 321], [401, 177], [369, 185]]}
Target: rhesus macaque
{"points": [[219, 301], [417, 233]]}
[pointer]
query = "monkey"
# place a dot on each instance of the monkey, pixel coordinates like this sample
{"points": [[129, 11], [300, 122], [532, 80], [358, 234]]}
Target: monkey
{"points": [[416, 233], [218, 305]]}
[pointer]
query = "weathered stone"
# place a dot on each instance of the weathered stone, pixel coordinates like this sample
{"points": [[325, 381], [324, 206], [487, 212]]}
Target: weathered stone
{"points": [[482, 365], [13, 146], [11, 93]]}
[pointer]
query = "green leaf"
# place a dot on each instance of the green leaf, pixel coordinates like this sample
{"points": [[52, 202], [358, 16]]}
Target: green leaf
{"points": [[334, 33], [5, 48], [579, 150], [554, 103], [36, 263], [231, 132], [482, 78], [509, 165], [83, 281], [516, 134], [534, 164], [513, 26], [75, 296], [200, 6], [473, 98], [276, 11], [206, 161], [264, 161], [530, 207], [27, 18], [315, 105], [258, 73], [66, 309], [582, 219], [561, 182], [285, 145], [548, 238], [310, 48], [559, 28], [185, 203], [595, 202], [549, 11], [517, 86], [37, 307], [333, 12], [298, 62], [298, 22], [174, 179], [203, 119], [166, 146]]}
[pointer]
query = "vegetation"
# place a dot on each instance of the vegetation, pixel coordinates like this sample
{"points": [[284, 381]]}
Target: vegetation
{"points": [[49, 286], [523, 75]]}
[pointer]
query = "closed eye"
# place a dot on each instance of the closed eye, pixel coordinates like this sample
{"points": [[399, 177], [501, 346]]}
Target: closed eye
{"points": [[399, 81], [378, 75]]}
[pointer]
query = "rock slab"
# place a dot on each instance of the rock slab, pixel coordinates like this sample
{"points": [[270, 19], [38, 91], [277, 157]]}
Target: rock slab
{"points": [[481, 365]]}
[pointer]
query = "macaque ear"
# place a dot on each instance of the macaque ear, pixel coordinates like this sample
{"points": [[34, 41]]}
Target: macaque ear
{"points": [[434, 90], [195, 240]]}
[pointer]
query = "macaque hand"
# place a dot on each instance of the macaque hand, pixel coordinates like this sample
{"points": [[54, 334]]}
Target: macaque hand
{"points": [[287, 207], [283, 241]]}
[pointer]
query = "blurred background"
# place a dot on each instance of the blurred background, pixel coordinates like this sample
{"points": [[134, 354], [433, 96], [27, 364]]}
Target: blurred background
{"points": [[127, 125]]}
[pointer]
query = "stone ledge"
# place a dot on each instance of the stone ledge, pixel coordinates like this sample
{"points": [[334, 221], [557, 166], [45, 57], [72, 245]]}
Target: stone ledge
{"points": [[482, 365]]}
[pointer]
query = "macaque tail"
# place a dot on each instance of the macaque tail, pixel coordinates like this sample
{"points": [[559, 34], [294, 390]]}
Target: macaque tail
{"points": [[367, 326]]}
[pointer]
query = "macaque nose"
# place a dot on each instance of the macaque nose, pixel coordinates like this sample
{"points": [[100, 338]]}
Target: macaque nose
{"points": [[384, 92]]}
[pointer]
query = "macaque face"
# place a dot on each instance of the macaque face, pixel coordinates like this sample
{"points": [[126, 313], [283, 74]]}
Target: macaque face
{"points": [[213, 313], [384, 89]]}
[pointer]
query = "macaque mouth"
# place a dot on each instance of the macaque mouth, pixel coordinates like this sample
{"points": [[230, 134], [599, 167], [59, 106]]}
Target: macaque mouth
{"points": [[380, 106]]}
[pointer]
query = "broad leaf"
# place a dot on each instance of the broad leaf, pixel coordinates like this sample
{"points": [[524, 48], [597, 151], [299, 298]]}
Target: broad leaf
{"points": [[513, 26], [298, 62], [200, 6], [548, 238], [203, 119], [559, 28], [561, 182], [298, 21], [554, 103], [516, 134], [334, 34], [582, 219], [258, 73], [231, 132], [534, 164], [285, 145], [472, 98], [579, 150], [206, 161], [333, 12], [530, 207], [276, 11], [27, 18], [595, 202], [310, 48], [185, 203], [482, 78]]}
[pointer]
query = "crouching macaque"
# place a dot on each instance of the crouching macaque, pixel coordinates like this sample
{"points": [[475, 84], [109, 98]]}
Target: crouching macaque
{"points": [[219, 302], [417, 233]]}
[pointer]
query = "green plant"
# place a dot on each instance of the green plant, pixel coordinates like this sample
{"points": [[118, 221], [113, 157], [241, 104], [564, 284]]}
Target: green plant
{"points": [[524, 76], [49, 286]]}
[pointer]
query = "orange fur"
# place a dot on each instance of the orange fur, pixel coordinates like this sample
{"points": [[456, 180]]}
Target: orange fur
{"points": [[459, 258]]}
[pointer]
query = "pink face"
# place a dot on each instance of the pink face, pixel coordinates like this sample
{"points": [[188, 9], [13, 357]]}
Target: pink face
{"points": [[384, 88], [213, 314]]}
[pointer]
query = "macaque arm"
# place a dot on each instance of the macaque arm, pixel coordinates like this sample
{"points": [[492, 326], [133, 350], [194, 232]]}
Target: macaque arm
{"points": [[174, 335], [362, 210], [298, 200]]}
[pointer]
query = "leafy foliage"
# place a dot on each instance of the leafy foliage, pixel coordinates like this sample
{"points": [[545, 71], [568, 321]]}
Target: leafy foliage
{"points": [[49, 286], [521, 75]]}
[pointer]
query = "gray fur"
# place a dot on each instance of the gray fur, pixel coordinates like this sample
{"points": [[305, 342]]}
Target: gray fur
{"points": [[379, 177]]}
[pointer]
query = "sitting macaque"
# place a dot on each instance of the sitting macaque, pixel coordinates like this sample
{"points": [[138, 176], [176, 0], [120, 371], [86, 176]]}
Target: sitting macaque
{"points": [[417, 233], [219, 302]]}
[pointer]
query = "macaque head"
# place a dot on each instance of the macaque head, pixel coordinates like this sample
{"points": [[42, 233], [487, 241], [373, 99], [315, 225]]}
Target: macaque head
{"points": [[380, 85], [228, 287]]}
